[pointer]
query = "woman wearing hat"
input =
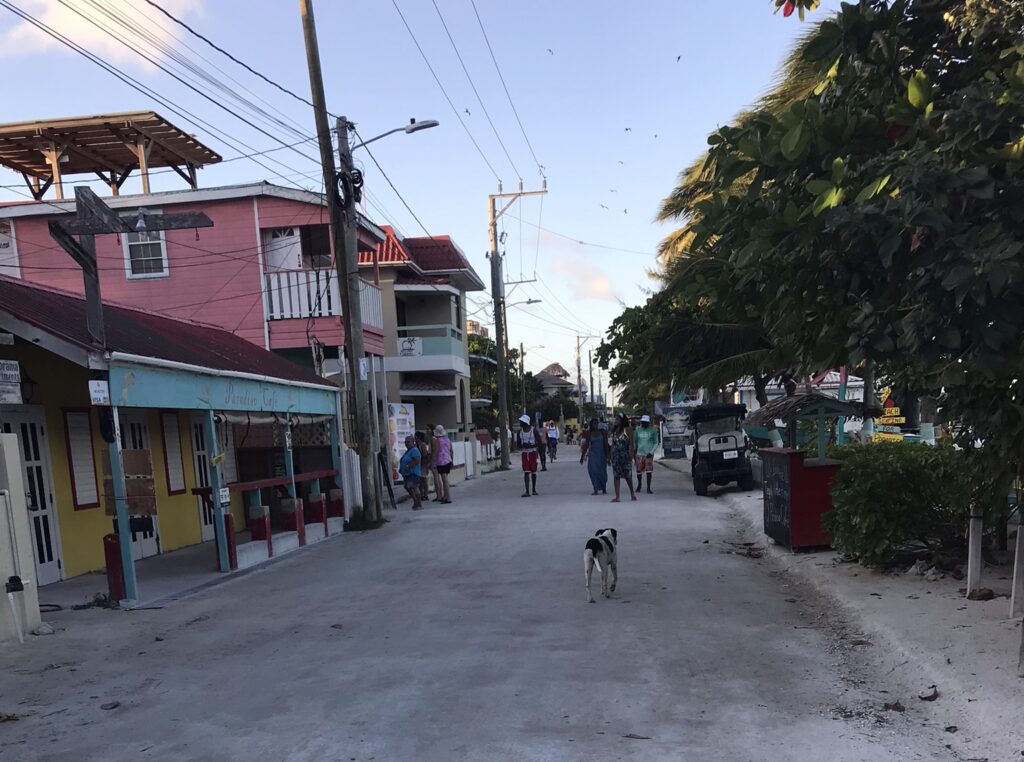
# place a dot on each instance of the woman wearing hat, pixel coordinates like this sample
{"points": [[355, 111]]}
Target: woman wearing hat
{"points": [[443, 463], [528, 452]]}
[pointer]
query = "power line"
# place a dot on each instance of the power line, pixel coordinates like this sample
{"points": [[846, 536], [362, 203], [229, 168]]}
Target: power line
{"points": [[475, 92], [291, 93], [137, 85], [186, 64], [445, 92], [515, 111], [241, 63], [586, 243], [187, 84]]}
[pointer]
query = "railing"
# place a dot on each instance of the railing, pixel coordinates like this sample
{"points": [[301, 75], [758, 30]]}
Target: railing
{"points": [[314, 293], [439, 339]]}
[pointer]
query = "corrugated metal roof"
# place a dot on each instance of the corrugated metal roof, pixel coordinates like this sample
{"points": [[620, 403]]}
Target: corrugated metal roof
{"points": [[149, 334]]}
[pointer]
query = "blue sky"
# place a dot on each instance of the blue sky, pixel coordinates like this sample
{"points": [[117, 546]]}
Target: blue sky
{"points": [[580, 74]]}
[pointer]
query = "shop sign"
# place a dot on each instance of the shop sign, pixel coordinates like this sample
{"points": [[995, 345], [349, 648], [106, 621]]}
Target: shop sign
{"points": [[99, 392], [10, 382]]}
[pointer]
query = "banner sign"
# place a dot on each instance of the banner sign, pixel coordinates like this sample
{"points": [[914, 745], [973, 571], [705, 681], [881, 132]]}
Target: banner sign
{"points": [[401, 424]]}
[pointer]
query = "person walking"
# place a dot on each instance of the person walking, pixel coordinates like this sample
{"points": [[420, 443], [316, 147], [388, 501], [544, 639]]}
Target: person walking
{"points": [[622, 456], [410, 471], [528, 453], [645, 442], [552, 441], [542, 446], [594, 449], [423, 444], [443, 463]]}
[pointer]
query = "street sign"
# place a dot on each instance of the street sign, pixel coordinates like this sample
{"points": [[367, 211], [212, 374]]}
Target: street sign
{"points": [[99, 392], [10, 382], [225, 497]]}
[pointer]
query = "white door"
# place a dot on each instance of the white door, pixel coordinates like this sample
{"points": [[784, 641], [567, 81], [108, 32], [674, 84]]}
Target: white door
{"points": [[202, 475], [145, 529], [35, 458]]}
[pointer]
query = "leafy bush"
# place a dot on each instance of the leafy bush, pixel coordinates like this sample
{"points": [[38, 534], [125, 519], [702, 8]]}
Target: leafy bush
{"points": [[890, 495]]}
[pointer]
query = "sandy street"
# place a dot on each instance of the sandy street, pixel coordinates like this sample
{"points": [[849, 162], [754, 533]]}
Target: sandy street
{"points": [[462, 633]]}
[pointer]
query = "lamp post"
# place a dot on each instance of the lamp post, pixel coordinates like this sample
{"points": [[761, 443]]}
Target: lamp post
{"points": [[343, 190]]}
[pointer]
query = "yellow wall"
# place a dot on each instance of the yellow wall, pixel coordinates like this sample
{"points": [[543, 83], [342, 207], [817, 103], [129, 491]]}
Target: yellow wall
{"points": [[60, 384]]}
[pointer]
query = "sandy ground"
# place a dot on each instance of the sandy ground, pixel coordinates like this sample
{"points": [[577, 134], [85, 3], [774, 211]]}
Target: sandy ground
{"points": [[462, 633], [969, 649]]}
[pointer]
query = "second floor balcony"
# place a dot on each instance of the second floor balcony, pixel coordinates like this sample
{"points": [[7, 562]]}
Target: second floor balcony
{"points": [[435, 347], [304, 294]]}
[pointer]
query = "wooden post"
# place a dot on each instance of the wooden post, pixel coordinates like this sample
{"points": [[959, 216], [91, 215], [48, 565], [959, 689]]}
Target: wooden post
{"points": [[142, 147], [219, 528], [974, 552], [124, 531], [53, 159]]}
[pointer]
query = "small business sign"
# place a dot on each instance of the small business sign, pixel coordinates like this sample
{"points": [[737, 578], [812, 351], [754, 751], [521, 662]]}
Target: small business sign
{"points": [[225, 497], [99, 392], [10, 382], [410, 346]]}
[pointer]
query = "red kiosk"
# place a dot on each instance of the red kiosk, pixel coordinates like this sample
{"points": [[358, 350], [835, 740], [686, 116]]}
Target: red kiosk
{"points": [[796, 491]]}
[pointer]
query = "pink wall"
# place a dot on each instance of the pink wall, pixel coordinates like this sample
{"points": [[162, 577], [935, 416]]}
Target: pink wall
{"points": [[215, 279]]}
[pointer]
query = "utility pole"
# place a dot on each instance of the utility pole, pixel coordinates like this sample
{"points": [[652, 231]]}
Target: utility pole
{"points": [[522, 374], [343, 191], [498, 294], [590, 362], [579, 378]]}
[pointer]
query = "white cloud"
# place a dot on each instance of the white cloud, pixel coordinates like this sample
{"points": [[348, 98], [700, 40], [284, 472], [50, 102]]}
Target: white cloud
{"points": [[585, 280], [23, 38]]}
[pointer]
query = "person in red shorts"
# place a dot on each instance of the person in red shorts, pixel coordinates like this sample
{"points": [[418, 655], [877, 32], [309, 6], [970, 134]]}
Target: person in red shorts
{"points": [[528, 448]]}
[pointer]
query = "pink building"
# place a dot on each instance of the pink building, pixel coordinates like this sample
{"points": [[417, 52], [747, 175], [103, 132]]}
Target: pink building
{"points": [[264, 271]]}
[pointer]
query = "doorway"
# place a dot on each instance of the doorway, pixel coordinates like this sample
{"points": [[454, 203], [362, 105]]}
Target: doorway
{"points": [[28, 423]]}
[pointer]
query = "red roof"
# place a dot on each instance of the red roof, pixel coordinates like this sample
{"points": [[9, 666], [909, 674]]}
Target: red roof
{"points": [[430, 254], [437, 253], [390, 251], [138, 332]]}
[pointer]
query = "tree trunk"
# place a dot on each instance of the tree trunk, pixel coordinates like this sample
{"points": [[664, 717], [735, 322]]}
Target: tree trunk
{"points": [[868, 376], [789, 384], [761, 390]]}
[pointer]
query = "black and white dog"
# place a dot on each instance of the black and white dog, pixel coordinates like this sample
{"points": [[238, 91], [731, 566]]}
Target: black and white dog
{"points": [[600, 549]]}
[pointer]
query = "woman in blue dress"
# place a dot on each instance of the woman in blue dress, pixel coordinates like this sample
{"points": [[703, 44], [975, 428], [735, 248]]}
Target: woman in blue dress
{"points": [[594, 448]]}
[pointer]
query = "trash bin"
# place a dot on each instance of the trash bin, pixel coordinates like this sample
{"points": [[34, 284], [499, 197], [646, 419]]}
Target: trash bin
{"points": [[796, 496]]}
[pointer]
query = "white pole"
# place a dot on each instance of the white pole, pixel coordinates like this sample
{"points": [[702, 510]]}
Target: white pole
{"points": [[974, 554]]}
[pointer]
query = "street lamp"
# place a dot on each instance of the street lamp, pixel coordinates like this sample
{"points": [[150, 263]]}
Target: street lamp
{"points": [[410, 128], [525, 301]]}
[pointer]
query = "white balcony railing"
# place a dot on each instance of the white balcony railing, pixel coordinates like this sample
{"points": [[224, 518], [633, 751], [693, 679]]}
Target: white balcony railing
{"points": [[293, 294]]}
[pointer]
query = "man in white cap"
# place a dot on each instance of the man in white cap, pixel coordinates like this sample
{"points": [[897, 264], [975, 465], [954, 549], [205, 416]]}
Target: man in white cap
{"points": [[645, 442], [528, 452]]}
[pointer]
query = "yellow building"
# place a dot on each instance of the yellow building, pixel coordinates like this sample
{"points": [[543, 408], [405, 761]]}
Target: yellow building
{"points": [[118, 439]]}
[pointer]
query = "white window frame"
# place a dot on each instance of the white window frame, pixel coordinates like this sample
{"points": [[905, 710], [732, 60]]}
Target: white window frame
{"points": [[125, 246]]}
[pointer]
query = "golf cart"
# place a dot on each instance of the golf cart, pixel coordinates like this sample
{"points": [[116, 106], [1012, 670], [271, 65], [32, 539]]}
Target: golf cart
{"points": [[719, 447]]}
